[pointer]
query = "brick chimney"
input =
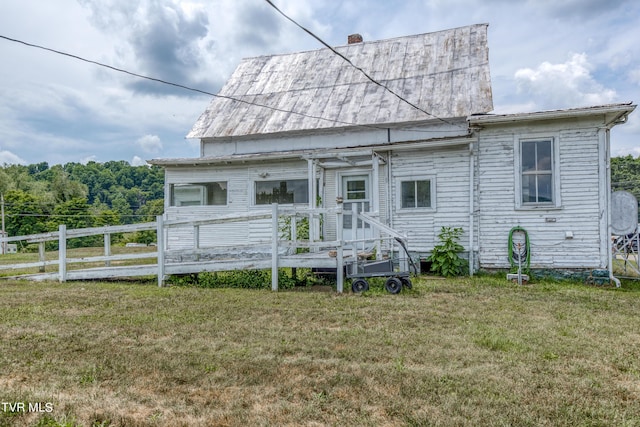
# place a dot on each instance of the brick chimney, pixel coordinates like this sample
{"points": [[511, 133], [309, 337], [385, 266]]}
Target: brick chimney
{"points": [[354, 38]]}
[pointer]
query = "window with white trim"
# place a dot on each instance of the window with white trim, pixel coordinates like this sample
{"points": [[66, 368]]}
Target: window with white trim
{"points": [[286, 191], [537, 173], [416, 193], [198, 194]]}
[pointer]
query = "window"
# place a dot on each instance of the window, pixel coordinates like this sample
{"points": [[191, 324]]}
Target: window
{"points": [[284, 191], [198, 194], [537, 177], [356, 189], [415, 194]]}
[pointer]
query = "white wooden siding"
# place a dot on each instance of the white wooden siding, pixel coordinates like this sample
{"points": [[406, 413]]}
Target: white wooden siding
{"points": [[547, 228], [240, 200], [236, 179], [450, 167]]}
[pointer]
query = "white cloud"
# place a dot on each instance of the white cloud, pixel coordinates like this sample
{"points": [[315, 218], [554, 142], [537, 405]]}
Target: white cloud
{"points": [[634, 76], [8, 158], [569, 84], [138, 161], [150, 143]]}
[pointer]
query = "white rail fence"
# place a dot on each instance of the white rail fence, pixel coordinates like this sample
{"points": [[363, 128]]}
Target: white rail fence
{"points": [[284, 242]]}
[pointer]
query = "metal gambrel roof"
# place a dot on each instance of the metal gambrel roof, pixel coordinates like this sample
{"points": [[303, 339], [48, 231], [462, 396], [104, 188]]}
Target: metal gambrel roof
{"points": [[445, 73]]}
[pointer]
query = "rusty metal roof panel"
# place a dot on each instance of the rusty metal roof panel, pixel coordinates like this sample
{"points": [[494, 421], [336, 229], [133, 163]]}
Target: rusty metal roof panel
{"points": [[445, 73]]}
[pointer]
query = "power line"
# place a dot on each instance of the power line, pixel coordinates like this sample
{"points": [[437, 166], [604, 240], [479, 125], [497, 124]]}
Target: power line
{"points": [[120, 70], [364, 73], [181, 86]]}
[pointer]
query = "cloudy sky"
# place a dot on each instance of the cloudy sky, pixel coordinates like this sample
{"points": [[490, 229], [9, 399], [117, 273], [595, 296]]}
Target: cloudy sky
{"points": [[545, 54]]}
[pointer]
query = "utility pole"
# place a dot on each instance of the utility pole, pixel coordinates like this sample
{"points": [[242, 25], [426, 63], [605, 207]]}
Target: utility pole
{"points": [[4, 234]]}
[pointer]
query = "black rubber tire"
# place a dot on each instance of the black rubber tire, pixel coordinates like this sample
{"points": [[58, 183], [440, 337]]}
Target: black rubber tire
{"points": [[393, 285], [359, 285], [406, 282]]}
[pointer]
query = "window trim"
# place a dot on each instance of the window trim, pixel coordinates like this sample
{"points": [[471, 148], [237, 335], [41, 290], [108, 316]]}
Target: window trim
{"points": [[254, 195], [170, 195], [413, 178], [555, 171]]}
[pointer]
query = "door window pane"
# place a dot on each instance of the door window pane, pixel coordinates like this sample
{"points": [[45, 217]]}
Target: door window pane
{"points": [[356, 190]]}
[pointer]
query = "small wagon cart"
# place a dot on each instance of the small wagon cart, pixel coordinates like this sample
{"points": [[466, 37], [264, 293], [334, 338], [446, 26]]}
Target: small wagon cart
{"points": [[360, 270]]}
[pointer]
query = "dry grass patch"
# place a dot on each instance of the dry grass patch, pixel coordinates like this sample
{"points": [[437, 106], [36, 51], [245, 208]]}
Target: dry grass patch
{"points": [[449, 353]]}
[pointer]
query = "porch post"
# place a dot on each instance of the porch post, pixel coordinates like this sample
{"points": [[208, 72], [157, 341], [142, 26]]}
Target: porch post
{"points": [[375, 185], [375, 201], [311, 182]]}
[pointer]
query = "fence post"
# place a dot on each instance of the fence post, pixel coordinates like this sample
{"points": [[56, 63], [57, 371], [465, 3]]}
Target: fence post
{"points": [[339, 252], [404, 264], [41, 257], [274, 247], [160, 249], [354, 229], [62, 253], [107, 248]]}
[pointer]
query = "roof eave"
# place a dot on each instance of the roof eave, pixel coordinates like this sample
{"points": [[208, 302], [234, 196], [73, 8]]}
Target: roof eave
{"points": [[615, 113]]}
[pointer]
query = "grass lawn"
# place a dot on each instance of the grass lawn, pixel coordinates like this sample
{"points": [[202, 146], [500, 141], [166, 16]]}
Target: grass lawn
{"points": [[463, 352]]}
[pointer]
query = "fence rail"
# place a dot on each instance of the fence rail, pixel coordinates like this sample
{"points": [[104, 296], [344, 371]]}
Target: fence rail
{"points": [[284, 239]]}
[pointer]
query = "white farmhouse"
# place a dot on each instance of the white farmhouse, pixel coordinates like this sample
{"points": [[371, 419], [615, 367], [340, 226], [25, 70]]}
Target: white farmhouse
{"points": [[402, 130]]}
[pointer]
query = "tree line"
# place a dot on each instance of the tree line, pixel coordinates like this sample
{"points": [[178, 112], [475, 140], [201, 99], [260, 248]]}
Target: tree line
{"points": [[38, 197]]}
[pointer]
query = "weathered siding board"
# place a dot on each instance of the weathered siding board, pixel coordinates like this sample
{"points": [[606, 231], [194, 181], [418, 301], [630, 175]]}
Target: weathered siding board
{"points": [[547, 228], [240, 196], [450, 169], [184, 237]]}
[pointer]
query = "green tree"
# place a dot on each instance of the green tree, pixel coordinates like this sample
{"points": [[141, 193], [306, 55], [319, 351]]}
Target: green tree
{"points": [[24, 213], [74, 214]]}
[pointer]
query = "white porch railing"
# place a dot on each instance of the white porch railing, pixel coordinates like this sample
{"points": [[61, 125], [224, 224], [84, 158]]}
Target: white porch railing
{"points": [[282, 241]]}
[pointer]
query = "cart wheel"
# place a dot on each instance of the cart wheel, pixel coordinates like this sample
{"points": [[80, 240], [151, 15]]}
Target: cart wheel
{"points": [[359, 285], [406, 282], [393, 285]]}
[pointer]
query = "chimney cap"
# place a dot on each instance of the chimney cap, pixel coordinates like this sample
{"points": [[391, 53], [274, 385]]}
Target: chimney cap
{"points": [[354, 38]]}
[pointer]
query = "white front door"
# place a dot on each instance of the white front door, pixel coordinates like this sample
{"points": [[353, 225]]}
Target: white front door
{"points": [[356, 190]]}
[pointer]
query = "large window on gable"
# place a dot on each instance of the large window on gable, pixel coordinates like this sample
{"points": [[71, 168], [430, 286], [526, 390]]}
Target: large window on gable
{"points": [[285, 191], [536, 166]]}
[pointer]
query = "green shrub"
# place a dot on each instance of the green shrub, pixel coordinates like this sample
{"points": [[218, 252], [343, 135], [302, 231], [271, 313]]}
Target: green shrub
{"points": [[445, 259], [242, 279]]}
